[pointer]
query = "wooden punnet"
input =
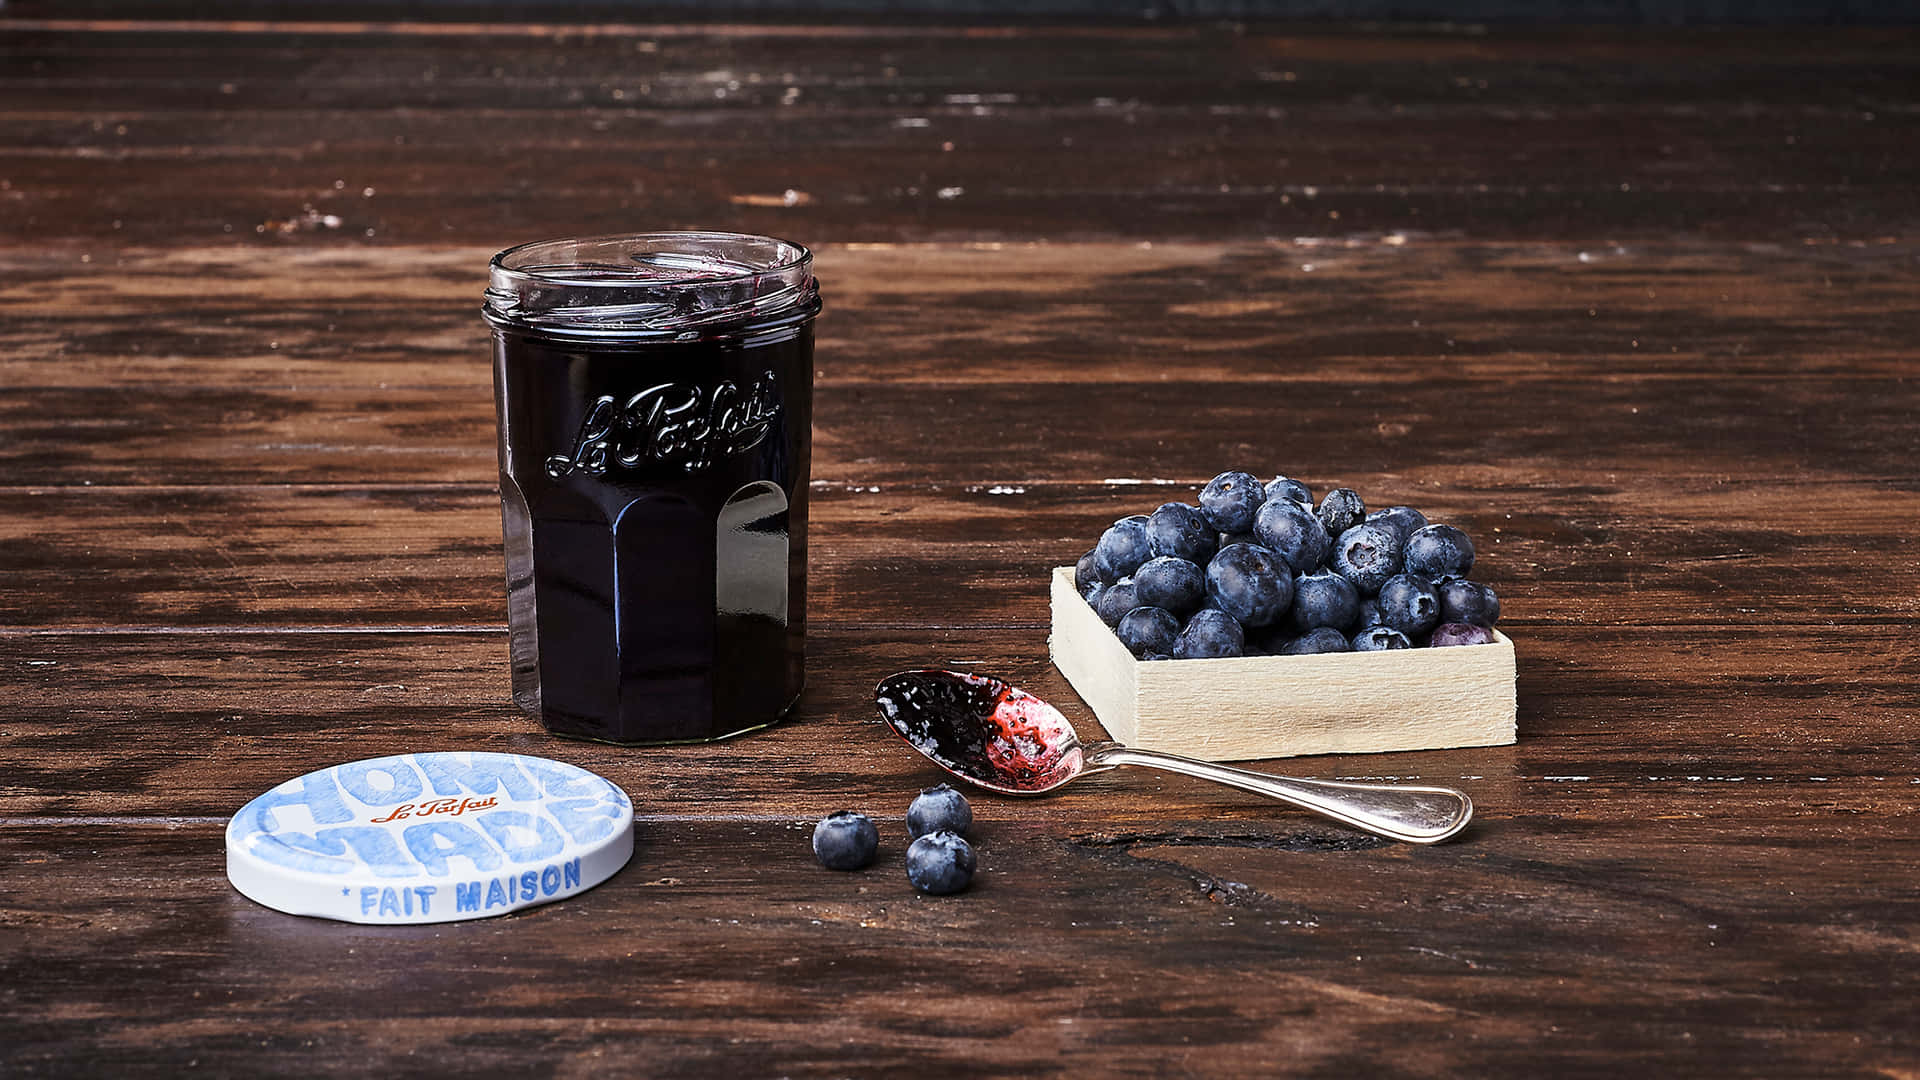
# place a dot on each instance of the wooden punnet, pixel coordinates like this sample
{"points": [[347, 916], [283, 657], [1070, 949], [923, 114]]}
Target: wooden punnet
{"points": [[1284, 706]]}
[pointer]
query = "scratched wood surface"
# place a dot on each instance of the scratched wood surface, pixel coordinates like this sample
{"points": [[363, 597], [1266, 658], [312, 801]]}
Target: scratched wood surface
{"points": [[1634, 308]]}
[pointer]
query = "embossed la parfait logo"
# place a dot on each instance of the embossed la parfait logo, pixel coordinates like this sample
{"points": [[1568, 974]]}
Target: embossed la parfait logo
{"points": [[673, 423]]}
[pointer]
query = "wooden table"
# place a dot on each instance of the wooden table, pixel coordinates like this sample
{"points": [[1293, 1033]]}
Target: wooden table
{"points": [[1634, 309]]}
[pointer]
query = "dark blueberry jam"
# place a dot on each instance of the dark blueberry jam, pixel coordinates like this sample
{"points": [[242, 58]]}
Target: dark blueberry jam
{"points": [[654, 396], [980, 728]]}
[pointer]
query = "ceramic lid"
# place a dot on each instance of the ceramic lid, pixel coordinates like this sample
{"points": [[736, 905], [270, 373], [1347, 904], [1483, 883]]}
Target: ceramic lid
{"points": [[424, 838]]}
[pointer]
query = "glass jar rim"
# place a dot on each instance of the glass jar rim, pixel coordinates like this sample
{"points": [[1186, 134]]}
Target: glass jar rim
{"points": [[679, 285]]}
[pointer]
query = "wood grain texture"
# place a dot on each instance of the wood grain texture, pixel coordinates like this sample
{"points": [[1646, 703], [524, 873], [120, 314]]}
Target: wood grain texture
{"points": [[148, 136], [1633, 308], [1380, 307], [1595, 551]]}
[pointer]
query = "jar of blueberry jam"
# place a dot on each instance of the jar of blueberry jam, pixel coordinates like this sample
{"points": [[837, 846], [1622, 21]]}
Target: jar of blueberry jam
{"points": [[654, 397]]}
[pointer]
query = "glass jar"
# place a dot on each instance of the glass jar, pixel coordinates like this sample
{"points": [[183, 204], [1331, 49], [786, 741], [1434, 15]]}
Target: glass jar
{"points": [[654, 398]]}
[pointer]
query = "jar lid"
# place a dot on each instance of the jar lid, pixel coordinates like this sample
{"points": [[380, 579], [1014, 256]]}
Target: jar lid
{"points": [[426, 838], [653, 287]]}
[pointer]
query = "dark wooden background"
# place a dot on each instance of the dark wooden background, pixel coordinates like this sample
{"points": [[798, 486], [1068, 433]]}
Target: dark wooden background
{"points": [[1634, 308]]}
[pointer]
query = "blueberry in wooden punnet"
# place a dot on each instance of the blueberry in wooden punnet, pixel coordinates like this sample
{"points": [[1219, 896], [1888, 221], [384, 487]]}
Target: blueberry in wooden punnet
{"points": [[1148, 631], [1293, 533], [1122, 548], [1463, 601], [1404, 520], [1380, 639], [1116, 600], [1179, 530], [1367, 555], [1249, 583], [1409, 604], [1459, 634], [1290, 490], [1171, 583], [1210, 634], [1439, 553], [1340, 510], [1230, 500]]}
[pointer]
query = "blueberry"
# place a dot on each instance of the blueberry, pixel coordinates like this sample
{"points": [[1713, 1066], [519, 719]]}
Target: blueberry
{"points": [[1321, 639], [1157, 656], [939, 809], [1116, 600], [1230, 500], [1210, 633], [1227, 540], [1292, 491], [1122, 548], [1171, 583], [1439, 553], [1324, 599], [1409, 604], [1367, 555], [940, 863], [1341, 510], [1369, 613], [1292, 533], [1147, 631], [1087, 572], [845, 840], [1463, 601], [1401, 519], [1250, 584], [1380, 639], [1178, 530], [1091, 594], [1451, 633]]}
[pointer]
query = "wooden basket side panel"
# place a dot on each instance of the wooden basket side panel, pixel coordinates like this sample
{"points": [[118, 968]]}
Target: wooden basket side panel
{"points": [[1098, 667], [1344, 703]]}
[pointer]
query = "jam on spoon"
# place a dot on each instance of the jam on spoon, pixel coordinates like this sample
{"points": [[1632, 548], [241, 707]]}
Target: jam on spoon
{"points": [[995, 735]]}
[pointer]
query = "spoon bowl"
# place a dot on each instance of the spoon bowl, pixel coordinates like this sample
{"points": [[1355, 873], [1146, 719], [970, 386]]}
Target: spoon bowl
{"points": [[999, 737]]}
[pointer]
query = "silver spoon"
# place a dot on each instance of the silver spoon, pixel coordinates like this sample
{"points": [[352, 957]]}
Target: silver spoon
{"points": [[1004, 739]]}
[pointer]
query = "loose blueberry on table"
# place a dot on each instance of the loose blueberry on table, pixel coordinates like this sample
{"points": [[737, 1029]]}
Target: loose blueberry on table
{"points": [[939, 809], [845, 840], [940, 863], [1258, 569]]}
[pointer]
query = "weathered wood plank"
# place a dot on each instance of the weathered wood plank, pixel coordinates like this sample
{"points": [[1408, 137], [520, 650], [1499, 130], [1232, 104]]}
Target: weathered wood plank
{"points": [[1761, 732], [1549, 431], [1385, 308], [1227, 134], [724, 947], [840, 62], [1595, 552]]}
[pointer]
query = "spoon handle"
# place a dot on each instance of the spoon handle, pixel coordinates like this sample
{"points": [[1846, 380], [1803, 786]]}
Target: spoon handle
{"points": [[1419, 815]]}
